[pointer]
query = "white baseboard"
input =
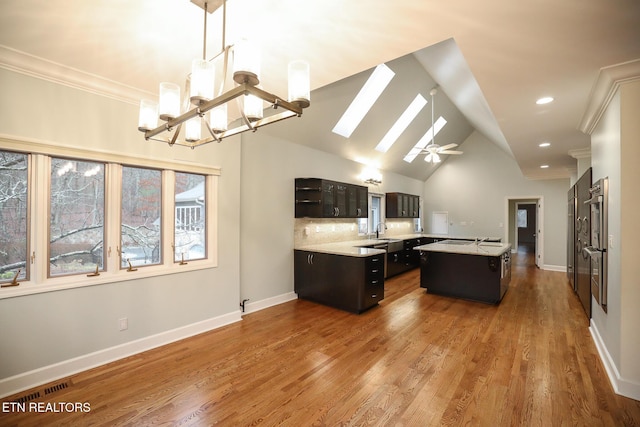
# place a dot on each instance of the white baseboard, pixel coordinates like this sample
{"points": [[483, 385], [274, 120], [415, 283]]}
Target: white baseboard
{"points": [[251, 307], [621, 386], [36, 377], [561, 268]]}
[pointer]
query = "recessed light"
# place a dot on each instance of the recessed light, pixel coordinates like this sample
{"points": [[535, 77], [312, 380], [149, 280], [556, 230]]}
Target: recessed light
{"points": [[545, 100], [544, 144], [544, 166]]}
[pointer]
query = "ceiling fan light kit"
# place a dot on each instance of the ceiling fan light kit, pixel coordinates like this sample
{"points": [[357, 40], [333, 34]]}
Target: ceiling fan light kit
{"points": [[203, 106], [433, 150]]}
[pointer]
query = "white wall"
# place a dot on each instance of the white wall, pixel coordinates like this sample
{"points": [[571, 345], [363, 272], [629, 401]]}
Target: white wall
{"points": [[474, 188], [615, 153], [41, 330]]}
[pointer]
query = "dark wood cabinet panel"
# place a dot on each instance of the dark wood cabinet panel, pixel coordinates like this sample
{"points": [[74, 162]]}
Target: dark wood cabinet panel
{"points": [[401, 205], [473, 277], [353, 284], [321, 198]]}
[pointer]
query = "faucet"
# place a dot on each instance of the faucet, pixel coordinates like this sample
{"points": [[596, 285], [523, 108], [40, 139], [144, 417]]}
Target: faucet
{"points": [[378, 229]]}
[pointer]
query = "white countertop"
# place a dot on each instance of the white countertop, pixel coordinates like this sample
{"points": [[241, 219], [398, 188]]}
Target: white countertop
{"points": [[484, 248], [355, 247], [349, 248]]}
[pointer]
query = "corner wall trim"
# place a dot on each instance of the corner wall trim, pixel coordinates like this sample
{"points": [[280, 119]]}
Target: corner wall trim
{"points": [[36, 377], [620, 385]]}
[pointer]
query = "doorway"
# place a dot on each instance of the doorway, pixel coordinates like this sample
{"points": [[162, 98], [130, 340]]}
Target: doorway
{"points": [[525, 226]]}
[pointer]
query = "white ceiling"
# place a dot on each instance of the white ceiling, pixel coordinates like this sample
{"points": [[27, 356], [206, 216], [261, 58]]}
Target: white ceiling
{"points": [[492, 59]]}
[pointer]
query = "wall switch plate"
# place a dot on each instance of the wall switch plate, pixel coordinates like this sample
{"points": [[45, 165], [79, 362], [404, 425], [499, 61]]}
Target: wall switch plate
{"points": [[124, 323], [610, 241]]}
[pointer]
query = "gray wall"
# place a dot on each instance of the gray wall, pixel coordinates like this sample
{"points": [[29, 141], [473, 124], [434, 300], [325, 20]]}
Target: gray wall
{"points": [[475, 188], [615, 152]]}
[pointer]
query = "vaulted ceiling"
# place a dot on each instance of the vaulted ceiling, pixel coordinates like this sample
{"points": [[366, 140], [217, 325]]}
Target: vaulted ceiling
{"points": [[491, 60]]}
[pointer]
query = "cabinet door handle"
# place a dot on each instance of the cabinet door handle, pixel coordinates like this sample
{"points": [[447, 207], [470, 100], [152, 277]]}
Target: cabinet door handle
{"points": [[374, 282], [374, 271], [374, 295]]}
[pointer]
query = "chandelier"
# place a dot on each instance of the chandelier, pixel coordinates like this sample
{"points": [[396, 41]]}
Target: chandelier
{"points": [[204, 103]]}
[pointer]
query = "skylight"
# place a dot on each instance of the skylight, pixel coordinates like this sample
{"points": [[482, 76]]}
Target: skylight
{"points": [[401, 124], [364, 100], [425, 140]]}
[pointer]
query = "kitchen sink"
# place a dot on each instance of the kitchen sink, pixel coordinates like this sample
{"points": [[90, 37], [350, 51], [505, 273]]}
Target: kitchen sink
{"points": [[456, 242]]}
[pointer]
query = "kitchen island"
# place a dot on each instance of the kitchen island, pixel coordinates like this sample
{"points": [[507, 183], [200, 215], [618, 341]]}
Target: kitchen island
{"points": [[474, 270]]}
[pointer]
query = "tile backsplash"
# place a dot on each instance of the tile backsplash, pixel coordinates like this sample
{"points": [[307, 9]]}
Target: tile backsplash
{"points": [[313, 231]]}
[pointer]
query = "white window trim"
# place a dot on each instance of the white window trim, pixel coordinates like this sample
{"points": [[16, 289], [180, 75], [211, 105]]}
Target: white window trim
{"points": [[39, 227]]}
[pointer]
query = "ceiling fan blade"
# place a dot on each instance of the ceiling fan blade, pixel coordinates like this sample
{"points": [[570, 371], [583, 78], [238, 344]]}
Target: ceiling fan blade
{"points": [[446, 147], [450, 152]]}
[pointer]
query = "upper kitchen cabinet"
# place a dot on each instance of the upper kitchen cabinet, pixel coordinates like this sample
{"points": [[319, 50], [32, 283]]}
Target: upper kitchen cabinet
{"points": [[321, 198], [401, 205]]}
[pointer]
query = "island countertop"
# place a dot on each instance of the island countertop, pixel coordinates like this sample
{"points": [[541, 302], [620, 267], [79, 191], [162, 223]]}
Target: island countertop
{"points": [[467, 248]]}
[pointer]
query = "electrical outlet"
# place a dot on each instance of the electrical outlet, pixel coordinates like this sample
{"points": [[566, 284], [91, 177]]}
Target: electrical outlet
{"points": [[124, 323]]}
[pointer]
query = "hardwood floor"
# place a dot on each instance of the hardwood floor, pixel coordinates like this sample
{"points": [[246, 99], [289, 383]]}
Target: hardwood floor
{"points": [[416, 360]]}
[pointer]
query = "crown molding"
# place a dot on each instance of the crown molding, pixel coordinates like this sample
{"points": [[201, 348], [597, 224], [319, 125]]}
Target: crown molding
{"points": [[34, 66], [580, 153], [608, 81]]}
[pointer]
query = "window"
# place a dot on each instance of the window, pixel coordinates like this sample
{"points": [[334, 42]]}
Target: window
{"points": [[522, 218], [190, 224], [98, 220], [14, 183], [376, 216], [141, 217], [76, 213]]}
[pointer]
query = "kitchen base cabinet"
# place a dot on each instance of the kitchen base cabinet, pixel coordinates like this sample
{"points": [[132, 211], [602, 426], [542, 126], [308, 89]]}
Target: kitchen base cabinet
{"points": [[349, 283], [472, 277]]}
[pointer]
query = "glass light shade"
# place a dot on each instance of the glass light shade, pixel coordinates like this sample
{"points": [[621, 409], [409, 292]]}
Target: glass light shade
{"points": [[202, 81], [246, 62], [193, 128], [169, 101], [218, 118], [253, 107], [148, 118], [299, 91]]}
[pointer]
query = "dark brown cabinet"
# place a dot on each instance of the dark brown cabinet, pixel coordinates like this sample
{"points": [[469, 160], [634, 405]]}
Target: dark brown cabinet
{"points": [[349, 283], [405, 259], [321, 198], [473, 277], [401, 205]]}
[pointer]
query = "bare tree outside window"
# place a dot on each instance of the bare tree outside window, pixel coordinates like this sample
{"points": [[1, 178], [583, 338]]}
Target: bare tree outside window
{"points": [[141, 217], [190, 210], [76, 228], [13, 215]]}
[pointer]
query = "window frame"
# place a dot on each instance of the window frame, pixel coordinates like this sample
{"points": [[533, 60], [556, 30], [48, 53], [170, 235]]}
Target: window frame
{"points": [[39, 154]]}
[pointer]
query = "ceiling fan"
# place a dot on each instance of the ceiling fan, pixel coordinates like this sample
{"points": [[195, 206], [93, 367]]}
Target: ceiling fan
{"points": [[433, 150]]}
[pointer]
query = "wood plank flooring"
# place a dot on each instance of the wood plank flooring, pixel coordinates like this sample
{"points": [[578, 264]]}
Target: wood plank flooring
{"points": [[416, 360]]}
